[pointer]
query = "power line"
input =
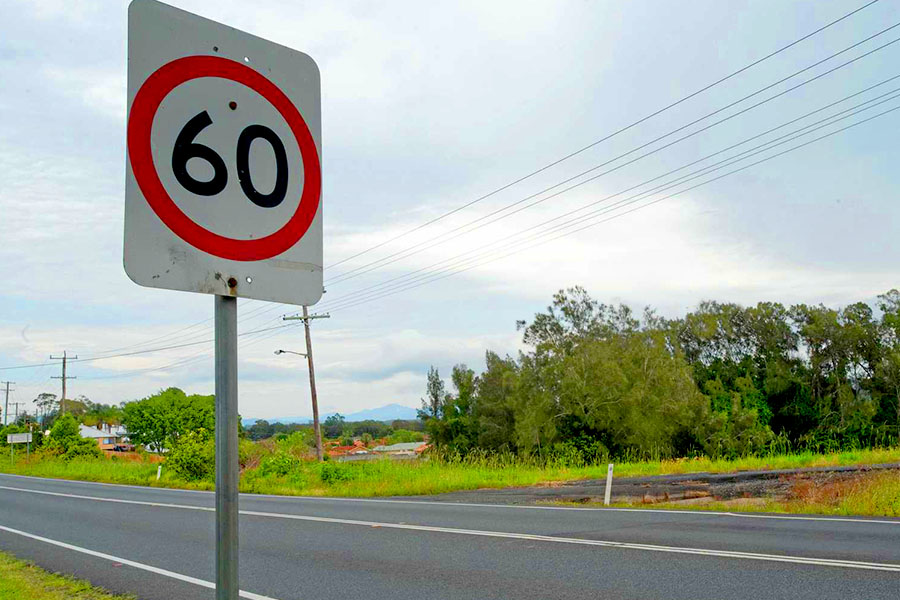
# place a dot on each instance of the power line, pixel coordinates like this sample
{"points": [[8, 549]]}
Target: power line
{"points": [[194, 358], [832, 118], [433, 242], [268, 308], [385, 260], [606, 137], [615, 216], [414, 249], [147, 351]]}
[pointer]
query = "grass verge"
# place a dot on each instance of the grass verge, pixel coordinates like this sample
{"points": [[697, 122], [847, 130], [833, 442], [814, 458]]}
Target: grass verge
{"points": [[20, 580], [418, 477]]}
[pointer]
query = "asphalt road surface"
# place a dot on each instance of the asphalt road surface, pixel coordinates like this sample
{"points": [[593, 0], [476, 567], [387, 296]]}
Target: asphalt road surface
{"points": [[158, 544]]}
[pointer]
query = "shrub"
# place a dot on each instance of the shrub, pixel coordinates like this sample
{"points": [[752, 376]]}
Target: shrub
{"points": [[193, 457], [333, 472], [279, 464], [82, 448], [66, 441]]}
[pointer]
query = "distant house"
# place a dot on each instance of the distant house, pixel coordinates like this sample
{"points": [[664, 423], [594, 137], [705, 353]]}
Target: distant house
{"points": [[358, 447], [410, 448], [107, 437]]}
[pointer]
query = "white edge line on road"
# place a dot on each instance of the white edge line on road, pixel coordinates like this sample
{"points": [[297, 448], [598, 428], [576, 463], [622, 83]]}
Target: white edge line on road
{"points": [[673, 511], [825, 562], [130, 563]]}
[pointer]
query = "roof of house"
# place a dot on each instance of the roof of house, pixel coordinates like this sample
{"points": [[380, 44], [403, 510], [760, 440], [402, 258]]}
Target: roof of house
{"points": [[406, 447], [94, 433]]}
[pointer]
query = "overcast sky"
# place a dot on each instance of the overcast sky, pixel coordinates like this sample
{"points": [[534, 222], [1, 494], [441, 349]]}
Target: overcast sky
{"points": [[427, 106]]}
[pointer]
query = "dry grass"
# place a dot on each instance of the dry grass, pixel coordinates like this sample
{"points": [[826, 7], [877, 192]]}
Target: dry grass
{"points": [[873, 494]]}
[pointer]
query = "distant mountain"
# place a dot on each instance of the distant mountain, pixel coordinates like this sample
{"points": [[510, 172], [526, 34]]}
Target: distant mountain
{"points": [[389, 412]]}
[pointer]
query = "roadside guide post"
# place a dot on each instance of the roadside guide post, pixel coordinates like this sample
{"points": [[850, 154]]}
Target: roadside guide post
{"points": [[222, 193], [607, 495]]}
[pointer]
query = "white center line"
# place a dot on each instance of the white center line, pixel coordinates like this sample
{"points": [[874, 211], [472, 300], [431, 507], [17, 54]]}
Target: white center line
{"points": [[803, 560], [131, 563]]}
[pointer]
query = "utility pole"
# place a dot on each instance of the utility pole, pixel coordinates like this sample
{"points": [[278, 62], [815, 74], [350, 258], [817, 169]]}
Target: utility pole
{"points": [[6, 403], [63, 358], [16, 404], [306, 318]]}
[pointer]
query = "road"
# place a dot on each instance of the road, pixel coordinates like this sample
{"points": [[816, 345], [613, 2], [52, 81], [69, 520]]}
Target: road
{"points": [[158, 544]]}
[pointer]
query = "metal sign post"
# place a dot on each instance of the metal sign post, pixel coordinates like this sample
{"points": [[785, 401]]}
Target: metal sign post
{"points": [[204, 213], [227, 469], [18, 438]]}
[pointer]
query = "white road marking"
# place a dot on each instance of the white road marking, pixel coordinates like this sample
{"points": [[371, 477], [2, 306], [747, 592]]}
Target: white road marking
{"points": [[693, 513], [825, 562], [130, 563]]}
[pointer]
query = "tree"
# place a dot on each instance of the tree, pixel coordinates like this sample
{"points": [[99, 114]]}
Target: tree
{"points": [[260, 430], [333, 426], [454, 425], [159, 420], [495, 408], [46, 404], [432, 404], [373, 428], [575, 316], [101, 414]]}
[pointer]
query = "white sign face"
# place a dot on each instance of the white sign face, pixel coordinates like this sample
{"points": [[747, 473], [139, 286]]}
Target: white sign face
{"points": [[223, 174], [18, 438]]}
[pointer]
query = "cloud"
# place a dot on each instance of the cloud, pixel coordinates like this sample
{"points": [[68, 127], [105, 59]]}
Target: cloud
{"points": [[427, 107], [98, 89]]}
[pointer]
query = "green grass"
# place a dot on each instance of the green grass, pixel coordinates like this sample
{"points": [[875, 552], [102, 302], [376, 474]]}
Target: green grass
{"points": [[20, 580], [388, 478], [106, 470]]}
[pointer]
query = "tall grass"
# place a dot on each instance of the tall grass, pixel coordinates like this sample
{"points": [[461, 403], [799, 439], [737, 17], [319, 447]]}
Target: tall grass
{"points": [[279, 469], [105, 470]]}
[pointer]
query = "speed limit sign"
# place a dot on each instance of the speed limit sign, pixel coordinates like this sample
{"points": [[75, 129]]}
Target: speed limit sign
{"points": [[224, 173]]}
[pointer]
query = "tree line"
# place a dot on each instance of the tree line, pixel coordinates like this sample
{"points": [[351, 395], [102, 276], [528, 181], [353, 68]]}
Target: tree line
{"points": [[599, 381]]}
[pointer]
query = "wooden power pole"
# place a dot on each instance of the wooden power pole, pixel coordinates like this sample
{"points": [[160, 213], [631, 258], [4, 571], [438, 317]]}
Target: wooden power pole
{"points": [[306, 318], [6, 403], [64, 377]]}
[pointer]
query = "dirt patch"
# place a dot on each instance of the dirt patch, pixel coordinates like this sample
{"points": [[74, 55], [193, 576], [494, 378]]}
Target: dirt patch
{"points": [[811, 484]]}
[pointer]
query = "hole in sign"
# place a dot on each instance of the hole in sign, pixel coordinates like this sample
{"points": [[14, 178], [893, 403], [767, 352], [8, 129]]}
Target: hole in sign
{"points": [[249, 280], [246, 59]]}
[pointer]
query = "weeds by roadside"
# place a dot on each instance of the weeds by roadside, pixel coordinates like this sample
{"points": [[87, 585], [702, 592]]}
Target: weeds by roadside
{"points": [[279, 470], [20, 580]]}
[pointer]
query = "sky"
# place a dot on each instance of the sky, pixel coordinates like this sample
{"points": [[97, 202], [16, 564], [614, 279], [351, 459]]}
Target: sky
{"points": [[427, 107]]}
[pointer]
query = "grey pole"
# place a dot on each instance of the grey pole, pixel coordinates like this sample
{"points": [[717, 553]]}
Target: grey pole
{"points": [[6, 405], [226, 449], [312, 386]]}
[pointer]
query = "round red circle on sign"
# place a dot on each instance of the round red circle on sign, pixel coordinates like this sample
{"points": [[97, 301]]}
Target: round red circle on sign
{"points": [[140, 123]]}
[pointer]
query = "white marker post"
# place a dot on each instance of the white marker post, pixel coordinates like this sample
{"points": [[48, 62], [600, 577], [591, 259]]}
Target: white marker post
{"points": [[607, 496], [205, 214]]}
